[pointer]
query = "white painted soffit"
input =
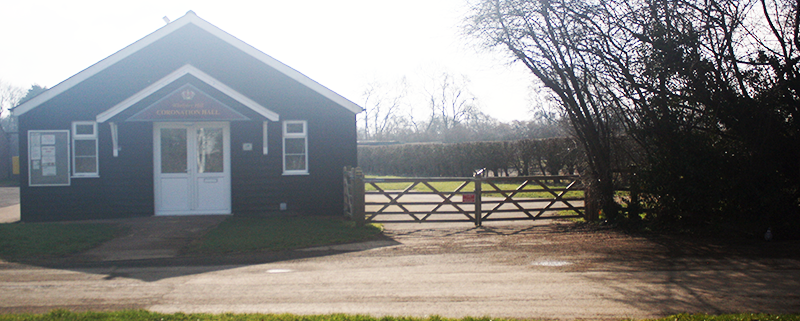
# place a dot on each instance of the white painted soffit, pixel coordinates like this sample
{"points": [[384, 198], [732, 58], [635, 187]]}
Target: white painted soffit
{"points": [[189, 18], [177, 74]]}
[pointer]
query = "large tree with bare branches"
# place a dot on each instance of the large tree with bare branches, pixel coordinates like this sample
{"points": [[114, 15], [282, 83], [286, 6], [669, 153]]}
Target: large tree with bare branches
{"points": [[548, 38], [710, 90]]}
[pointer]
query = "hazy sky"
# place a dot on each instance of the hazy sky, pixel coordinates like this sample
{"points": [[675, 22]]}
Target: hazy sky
{"points": [[342, 44]]}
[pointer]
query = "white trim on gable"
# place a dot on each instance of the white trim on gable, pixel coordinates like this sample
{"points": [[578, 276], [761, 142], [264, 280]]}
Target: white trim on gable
{"points": [[177, 74], [189, 18]]}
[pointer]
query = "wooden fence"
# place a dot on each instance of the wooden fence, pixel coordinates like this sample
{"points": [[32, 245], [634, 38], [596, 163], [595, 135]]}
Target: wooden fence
{"points": [[461, 199]]}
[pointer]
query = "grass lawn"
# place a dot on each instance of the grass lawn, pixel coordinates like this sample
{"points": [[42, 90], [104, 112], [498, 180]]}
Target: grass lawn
{"points": [[280, 232], [145, 315], [236, 234], [22, 241], [532, 190]]}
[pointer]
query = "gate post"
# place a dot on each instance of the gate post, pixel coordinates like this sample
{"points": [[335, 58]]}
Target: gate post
{"points": [[358, 197], [347, 191], [478, 210]]}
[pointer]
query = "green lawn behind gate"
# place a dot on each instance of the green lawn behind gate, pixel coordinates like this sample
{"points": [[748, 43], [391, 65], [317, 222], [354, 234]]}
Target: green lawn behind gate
{"points": [[535, 190]]}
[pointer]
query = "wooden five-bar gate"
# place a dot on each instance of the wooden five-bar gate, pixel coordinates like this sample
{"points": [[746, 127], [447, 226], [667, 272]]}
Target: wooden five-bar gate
{"points": [[461, 199]]}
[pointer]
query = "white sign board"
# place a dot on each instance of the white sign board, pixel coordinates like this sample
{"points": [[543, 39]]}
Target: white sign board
{"points": [[48, 158]]}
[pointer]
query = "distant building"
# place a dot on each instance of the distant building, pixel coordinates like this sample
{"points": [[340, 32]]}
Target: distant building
{"points": [[189, 120]]}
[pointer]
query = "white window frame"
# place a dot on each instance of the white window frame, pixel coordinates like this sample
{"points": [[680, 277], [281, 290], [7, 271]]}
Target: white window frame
{"points": [[304, 136], [265, 138], [94, 137]]}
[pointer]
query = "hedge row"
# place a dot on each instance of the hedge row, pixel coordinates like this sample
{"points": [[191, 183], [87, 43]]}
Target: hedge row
{"points": [[522, 157]]}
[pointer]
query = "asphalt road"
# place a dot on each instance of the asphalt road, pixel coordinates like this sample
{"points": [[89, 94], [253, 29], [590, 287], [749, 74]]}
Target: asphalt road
{"points": [[9, 196], [520, 271]]}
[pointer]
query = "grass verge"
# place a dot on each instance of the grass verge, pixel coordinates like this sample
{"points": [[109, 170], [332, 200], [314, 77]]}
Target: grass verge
{"points": [[571, 219], [145, 315], [254, 233], [36, 240]]}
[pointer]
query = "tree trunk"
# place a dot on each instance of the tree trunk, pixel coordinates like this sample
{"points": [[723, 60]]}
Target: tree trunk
{"points": [[599, 196]]}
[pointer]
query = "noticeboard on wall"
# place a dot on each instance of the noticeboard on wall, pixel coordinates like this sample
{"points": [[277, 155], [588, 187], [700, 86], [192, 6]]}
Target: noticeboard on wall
{"points": [[48, 158]]}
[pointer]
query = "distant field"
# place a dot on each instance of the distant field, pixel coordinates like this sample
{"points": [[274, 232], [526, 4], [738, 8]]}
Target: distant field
{"points": [[532, 190]]}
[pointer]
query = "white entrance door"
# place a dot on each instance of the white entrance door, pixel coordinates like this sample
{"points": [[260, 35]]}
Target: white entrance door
{"points": [[192, 168]]}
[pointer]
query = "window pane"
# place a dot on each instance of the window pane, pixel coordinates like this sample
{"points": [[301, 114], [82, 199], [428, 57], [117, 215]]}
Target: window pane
{"points": [[173, 150], [84, 129], [85, 165], [295, 128], [85, 148], [295, 162], [209, 150], [295, 145]]}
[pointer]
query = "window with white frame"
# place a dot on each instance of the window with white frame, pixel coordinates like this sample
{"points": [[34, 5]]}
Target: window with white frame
{"points": [[265, 138], [84, 149], [295, 147]]}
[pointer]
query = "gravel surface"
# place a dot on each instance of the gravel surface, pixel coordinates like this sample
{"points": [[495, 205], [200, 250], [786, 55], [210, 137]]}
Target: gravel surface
{"points": [[589, 248], [548, 270]]}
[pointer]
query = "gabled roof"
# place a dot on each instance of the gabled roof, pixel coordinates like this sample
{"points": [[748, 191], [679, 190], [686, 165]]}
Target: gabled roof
{"points": [[189, 18], [175, 75]]}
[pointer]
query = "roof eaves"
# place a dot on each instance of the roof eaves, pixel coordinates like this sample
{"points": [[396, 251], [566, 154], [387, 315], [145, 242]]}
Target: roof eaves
{"points": [[103, 64], [190, 17]]}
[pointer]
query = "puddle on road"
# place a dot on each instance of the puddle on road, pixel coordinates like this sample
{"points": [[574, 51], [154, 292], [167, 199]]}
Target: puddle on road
{"points": [[555, 263]]}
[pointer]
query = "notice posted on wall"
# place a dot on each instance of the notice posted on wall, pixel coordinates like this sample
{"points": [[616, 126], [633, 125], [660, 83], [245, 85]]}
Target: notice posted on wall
{"points": [[35, 146], [48, 139], [48, 157]]}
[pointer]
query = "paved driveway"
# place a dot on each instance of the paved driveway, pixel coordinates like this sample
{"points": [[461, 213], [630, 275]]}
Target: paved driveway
{"points": [[9, 204], [547, 271]]}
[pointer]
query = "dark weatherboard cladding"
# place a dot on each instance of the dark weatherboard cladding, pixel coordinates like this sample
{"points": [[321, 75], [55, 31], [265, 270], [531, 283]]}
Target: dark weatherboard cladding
{"points": [[188, 120]]}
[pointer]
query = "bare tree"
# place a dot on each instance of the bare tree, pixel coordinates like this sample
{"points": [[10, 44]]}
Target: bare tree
{"points": [[440, 109], [450, 103], [384, 112], [10, 96], [547, 36]]}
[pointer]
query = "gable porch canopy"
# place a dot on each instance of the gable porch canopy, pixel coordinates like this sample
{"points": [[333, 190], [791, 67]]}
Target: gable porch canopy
{"points": [[177, 74]]}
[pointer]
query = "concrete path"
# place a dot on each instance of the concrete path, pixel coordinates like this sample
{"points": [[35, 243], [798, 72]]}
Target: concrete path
{"points": [[147, 237], [153, 237]]}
